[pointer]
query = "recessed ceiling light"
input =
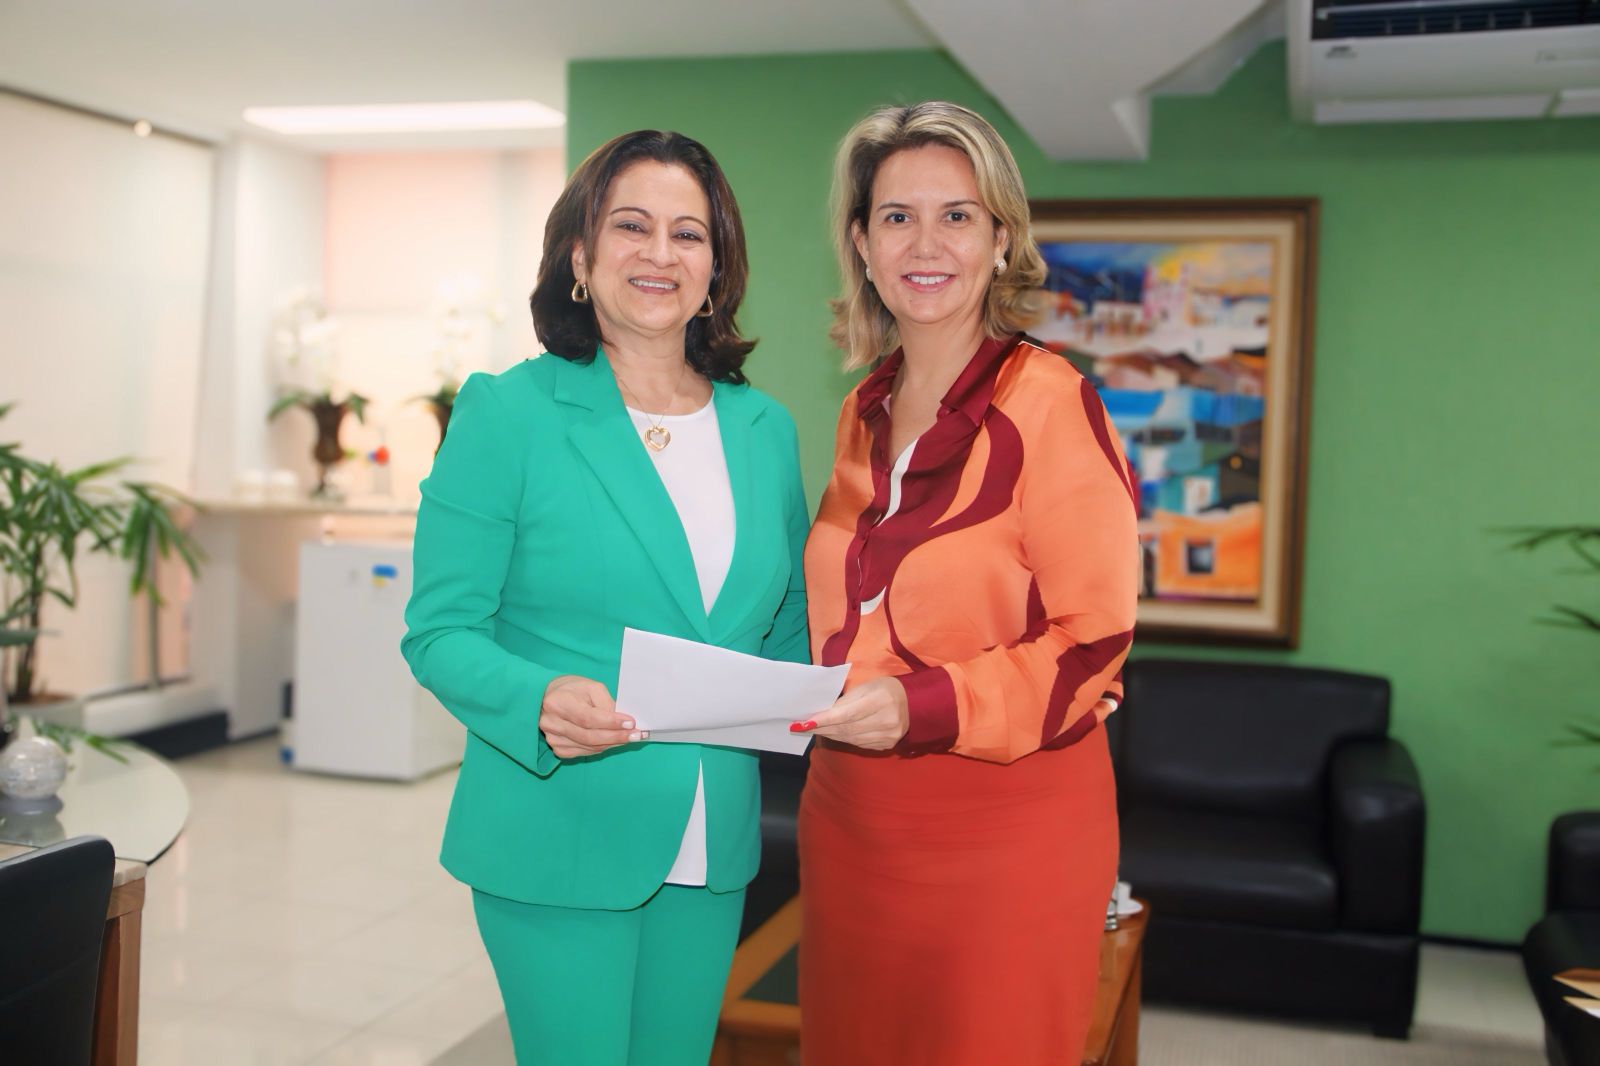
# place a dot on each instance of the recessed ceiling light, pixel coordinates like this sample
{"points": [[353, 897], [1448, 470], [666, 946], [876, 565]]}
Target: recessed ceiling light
{"points": [[142, 128], [407, 118]]}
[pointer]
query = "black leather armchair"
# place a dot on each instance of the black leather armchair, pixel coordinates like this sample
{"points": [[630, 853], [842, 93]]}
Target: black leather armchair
{"points": [[1277, 831], [54, 903], [1568, 936], [782, 778]]}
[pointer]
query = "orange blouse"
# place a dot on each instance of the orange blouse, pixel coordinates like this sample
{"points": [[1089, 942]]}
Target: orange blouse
{"points": [[1001, 587]]}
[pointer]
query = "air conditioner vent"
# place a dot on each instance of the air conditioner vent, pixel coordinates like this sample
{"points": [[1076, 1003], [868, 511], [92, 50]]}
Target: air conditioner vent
{"points": [[1336, 19]]}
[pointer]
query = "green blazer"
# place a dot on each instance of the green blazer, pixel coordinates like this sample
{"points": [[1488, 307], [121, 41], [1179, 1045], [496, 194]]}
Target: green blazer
{"points": [[543, 531]]}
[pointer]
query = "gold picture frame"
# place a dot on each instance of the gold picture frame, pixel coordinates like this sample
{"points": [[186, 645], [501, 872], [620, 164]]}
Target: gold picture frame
{"points": [[1194, 320]]}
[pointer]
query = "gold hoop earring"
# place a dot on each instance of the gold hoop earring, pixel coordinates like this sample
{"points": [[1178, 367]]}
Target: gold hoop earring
{"points": [[580, 293], [707, 311]]}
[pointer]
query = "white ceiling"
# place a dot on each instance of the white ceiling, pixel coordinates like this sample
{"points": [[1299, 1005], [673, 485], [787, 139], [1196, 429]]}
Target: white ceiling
{"points": [[1078, 74], [196, 64], [1074, 73]]}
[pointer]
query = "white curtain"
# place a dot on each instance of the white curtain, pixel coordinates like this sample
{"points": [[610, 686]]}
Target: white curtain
{"points": [[104, 241]]}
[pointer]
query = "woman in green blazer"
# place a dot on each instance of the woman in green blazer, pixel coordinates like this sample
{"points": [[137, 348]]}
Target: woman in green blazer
{"points": [[628, 477]]}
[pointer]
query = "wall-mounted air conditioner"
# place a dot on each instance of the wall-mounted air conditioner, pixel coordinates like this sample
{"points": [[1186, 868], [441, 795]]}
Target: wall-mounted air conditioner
{"points": [[1430, 60]]}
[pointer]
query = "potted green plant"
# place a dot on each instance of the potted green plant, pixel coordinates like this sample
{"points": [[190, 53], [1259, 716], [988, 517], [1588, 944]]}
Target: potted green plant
{"points": [[10, 637], [328, 413], [49, 517], [460, 307], [305, 345], [1583, 542], [441, 402]]}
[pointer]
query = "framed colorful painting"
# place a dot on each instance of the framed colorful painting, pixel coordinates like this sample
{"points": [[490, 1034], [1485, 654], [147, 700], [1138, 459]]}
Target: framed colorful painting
{"points": [[1193, 320]]}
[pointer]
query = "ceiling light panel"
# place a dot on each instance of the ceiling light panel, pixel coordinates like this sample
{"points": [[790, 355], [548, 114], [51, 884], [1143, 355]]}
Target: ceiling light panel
{"points": [[406, 118]]}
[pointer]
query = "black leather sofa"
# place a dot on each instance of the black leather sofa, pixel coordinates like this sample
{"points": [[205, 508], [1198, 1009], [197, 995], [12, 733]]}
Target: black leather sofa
{"points": [[1568, 937], [1272, 823], [1277, 831]]}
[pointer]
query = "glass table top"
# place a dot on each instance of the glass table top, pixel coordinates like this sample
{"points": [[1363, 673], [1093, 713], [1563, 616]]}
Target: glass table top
{"points": [[780, 982], [140, 806]]}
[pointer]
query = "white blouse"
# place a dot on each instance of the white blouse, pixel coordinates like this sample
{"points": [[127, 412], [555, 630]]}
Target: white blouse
{"points": [[695, 473]]}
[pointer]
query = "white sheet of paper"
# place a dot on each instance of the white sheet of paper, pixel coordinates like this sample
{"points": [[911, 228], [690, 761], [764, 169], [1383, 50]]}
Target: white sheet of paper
{"points": [[685, 692]]}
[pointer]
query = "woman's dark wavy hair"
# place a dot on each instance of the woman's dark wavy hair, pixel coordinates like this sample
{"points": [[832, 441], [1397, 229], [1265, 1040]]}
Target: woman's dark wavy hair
{"points": [[713, 345]]}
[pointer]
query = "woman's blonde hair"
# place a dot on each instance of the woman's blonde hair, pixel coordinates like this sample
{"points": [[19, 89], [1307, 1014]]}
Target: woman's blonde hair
{"points": [[862, 327]]}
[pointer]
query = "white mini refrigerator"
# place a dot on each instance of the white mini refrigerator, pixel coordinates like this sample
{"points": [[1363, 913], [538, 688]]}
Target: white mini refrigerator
{"points": [[357, 710]]}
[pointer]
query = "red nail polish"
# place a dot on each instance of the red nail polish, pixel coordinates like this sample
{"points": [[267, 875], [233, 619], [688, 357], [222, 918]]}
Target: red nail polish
{"points": [[802, 727]]}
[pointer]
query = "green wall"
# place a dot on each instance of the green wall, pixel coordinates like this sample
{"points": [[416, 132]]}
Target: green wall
{"points": [[1455, 389]]}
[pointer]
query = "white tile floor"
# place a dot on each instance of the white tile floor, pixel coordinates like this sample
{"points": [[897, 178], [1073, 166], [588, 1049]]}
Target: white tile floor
{"points": [[305, 920]]}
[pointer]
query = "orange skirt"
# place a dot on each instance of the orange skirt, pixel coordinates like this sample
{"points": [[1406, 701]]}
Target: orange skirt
{"points": [[953, 909]]}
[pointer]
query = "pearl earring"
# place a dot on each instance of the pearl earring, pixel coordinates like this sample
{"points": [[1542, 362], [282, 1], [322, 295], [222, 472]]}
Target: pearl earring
{"points": [[1000, 265], [869, 273]]}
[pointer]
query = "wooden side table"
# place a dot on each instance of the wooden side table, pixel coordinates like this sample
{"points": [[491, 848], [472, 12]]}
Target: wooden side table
{"points": [[760, 1022], [1114, 1029], [116, 1012]]}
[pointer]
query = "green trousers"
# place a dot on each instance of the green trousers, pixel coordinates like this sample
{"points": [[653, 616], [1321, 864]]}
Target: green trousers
{"points": [[613, 988]]}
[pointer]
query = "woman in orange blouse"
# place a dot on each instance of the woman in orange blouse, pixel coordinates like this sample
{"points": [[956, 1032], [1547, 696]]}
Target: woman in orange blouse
{"points": [[975, 560]]}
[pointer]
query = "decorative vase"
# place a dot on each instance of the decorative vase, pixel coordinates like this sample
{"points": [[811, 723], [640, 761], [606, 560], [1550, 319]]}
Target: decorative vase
{"points": [[34, 830], [441, 412], [31, 771], [328, 450]]}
